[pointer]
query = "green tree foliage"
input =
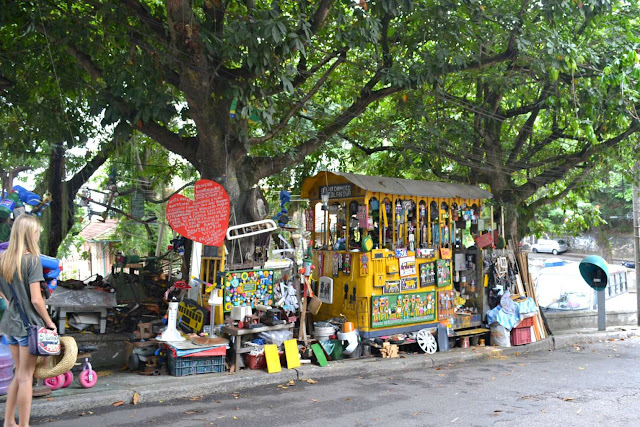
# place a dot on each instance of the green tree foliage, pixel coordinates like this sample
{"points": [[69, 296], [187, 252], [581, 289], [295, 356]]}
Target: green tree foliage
{"points": [[546, 123], [294, 73]]}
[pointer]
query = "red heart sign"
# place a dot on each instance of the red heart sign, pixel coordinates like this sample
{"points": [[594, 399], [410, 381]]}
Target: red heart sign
{"points": [[205, 219]]}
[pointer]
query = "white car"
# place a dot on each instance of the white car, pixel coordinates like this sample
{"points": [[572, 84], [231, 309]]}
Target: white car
{"points": [[550, 246]]}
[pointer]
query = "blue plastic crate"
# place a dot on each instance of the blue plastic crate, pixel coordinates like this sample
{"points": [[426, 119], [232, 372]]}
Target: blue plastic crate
{"points": [[183, 366]]}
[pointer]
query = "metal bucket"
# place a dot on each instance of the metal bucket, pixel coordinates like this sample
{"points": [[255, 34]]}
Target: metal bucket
{"points": [[323, 330]]}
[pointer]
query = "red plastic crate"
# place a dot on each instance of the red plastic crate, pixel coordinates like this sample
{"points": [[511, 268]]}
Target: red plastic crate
{"points": [[526, 323], [254, 361], [520, 336]]}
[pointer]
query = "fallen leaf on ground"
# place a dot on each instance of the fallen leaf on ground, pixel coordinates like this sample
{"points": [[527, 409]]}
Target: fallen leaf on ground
{"points": [[50, 399], [568, 399], [196, 398], [310, 381], [118, 403], [82, 414], [580, 367], [191, 412], [493, 378], [292, 382], [235, 418], [236, 395], [136, 398], [315, 400], [348, 398]]}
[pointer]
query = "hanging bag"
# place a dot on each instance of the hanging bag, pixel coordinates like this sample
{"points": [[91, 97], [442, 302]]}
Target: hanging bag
{"points": [[42, 341]]}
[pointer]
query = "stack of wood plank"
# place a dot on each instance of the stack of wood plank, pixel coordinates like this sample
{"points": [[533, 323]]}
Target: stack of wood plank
{"points": [[526, 287]]}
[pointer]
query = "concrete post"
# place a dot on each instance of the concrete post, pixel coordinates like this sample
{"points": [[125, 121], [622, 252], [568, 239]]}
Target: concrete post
{"points": [[602, 312]]}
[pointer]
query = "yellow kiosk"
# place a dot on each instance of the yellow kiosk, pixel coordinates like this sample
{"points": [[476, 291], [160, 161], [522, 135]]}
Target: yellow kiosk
{"points": [[384, 251]]}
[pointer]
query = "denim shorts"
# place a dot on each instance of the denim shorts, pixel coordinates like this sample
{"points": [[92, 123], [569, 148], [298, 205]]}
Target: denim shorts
{"points": [[21, 341]]}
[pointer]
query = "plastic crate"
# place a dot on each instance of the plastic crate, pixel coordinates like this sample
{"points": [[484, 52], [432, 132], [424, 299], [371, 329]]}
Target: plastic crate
{"points": [[254, 361], [183, 366], [526, 323], [520, 336]]}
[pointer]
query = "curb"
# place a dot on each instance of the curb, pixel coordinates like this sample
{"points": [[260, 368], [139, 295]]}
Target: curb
{"points": [[170, 388]]}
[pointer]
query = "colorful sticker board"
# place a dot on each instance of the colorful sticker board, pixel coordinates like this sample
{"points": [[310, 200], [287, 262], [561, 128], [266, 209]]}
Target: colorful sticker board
{"points": [[427, 274], [248, 288], [391, 310], [443, 272]]}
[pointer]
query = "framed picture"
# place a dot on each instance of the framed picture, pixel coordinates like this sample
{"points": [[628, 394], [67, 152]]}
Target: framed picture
{"points": [[325, 290], [409, 284], [427, 274], [391, 287], [407, 266], [443, 272]]}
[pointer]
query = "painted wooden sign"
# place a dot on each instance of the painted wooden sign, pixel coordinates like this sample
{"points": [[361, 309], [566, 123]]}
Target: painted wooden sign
{"points": [[391, 310], [205, 219], [248, 288]]}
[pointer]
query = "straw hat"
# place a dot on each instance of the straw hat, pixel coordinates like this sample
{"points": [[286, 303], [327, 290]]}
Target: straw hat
{"points": [[52, 366]]}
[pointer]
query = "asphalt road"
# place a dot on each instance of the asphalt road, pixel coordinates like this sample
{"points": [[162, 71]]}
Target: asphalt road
{"points": [[594, 384]]}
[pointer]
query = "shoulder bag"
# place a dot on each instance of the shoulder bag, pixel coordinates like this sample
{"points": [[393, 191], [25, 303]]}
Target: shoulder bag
{"points": [[42, 341]]}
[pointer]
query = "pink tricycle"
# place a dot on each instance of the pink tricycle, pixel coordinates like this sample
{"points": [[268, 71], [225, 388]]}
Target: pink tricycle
{"points": [[87, 378]]}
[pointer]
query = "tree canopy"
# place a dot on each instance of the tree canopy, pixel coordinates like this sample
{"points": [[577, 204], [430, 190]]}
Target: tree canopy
{"points": [[550, 120], [518, 95]]}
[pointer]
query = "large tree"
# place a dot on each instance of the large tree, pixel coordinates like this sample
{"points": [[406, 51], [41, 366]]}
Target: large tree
{"points": [[548, 121], [243, 90]]}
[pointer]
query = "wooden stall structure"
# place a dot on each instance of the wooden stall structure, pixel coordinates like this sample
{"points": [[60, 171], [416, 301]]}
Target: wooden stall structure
{"points": [[385, 251]]}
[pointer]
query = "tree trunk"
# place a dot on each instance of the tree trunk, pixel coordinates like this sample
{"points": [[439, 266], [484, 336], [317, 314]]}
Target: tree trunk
{"points": [[58, 218], [248, 204]]}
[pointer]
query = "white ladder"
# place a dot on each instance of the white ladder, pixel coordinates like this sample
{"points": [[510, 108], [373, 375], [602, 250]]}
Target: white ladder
{"points": [[251, 228]]}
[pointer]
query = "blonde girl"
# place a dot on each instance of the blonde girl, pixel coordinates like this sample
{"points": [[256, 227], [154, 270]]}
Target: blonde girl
{"points": [[20, 269]]}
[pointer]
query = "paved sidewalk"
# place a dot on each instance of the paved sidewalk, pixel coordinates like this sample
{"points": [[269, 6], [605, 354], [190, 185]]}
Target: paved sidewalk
{"points": [[115, 387]]}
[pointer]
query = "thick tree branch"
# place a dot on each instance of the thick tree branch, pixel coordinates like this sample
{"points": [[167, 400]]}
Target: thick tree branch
{"points": [[185, 147], [366, 150], [266, 166], [320, 15], [82, 176], [571, 161], [523, 135], [5, 83], [304, 74], [151, 22], [120, 212], [298, 105], [561, 195]]}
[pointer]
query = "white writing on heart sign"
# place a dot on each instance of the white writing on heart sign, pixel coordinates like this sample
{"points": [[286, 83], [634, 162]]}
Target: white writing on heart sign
{"points": [[205, 219]]}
